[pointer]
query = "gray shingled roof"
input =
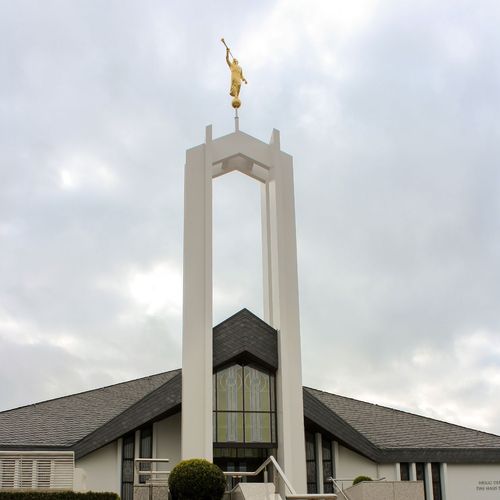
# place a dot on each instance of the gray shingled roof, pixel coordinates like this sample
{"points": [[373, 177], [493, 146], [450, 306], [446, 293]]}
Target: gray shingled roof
{"points": [[246, 337], [63, 421], [391, 429], [386, 435]]}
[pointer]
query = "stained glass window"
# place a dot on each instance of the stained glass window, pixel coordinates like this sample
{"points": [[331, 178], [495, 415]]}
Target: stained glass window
{"points": [[244, 405]]}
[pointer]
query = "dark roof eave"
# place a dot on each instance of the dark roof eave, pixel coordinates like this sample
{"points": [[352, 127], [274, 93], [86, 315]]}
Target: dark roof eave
{"points": [[446, 455], [318, 413], [163, 401]]}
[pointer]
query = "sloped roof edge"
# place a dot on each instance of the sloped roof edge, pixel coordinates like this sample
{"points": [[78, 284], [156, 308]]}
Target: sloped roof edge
{"points": [[161, 402], [318, 413]]}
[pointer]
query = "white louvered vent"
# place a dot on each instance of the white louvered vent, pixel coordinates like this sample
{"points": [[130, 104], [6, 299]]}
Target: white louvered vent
{"points": [[38, 470]]}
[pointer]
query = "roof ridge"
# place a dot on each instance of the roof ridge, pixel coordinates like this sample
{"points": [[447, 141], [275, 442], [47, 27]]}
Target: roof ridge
{"points": [[245, 312], [89, 390], [405, 412]]}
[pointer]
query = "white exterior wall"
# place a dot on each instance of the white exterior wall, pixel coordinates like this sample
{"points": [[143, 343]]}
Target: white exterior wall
{"points": [[350, 465], [388, 471], [167, 440], [101, 469], [473, 482]]}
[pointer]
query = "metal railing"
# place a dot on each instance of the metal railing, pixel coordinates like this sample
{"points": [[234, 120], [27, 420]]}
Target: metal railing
{"points": [[155, 476], [293, 494], [340, 487]]}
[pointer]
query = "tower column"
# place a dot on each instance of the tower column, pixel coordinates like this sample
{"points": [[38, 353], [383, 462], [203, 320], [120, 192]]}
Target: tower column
{"points": [[197, 304], [281, 306]]}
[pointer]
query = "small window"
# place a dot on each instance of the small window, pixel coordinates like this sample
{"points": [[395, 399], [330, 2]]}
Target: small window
{"points": [[128, 452], [146, 451], [436, 481], [327, 465], [311, 466], [404, 468]]}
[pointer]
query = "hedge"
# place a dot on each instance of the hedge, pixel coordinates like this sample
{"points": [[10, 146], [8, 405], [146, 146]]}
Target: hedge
{"points": [[56, 495], [196, 479], [359, 479]]}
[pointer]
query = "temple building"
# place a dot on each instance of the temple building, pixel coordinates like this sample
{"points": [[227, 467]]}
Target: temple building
{"points": [[239, 398]]}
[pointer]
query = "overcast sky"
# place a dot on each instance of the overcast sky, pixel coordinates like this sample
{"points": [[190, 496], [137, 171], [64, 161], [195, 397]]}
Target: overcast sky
{"points": [[391, 112]]}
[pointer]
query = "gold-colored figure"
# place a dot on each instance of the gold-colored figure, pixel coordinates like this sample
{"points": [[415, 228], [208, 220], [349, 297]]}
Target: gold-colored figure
{"points": [[236, 77]]}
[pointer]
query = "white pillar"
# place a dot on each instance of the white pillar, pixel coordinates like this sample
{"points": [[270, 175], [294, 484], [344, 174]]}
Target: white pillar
{"points": [[429, 494], [413, 471], [397, 471], [444, 480], [137, 453], [197, 304], [119, 458], [336, 459], [319, 461]]}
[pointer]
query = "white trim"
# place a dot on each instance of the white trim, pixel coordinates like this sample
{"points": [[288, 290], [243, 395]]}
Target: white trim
{"points": [[154, 444], [397, 467], [137, 450], [335, 458]]}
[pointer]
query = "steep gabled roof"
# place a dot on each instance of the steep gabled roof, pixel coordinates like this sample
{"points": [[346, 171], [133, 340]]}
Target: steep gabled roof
{"points": [[245, 336], [395, 435], [63, 421]]}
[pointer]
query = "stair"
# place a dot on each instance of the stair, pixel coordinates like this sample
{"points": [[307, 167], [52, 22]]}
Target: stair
{"points": [[255, 491]]}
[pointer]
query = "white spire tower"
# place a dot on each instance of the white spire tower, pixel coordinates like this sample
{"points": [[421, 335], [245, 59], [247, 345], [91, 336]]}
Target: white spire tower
{"points": [[267, 164], [270, 166]]}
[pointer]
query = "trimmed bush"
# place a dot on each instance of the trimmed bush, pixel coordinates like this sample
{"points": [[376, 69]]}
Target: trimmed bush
{"points": [[196, 479], [56, 495], [360, 479]]}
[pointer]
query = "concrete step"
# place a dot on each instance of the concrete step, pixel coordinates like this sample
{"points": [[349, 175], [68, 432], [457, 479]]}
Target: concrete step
{"points": [[255, 491]]}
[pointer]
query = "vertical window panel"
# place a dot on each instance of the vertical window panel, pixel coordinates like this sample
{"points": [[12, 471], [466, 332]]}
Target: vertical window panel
{"points": [[128, 451], [311, 466], [256, 390], [145, 451], [327, 464], [436, 481], [230, 427], [230, 389], [257, 428]]}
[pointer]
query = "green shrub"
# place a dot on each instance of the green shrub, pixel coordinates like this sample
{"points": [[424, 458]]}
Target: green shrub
{"points": [[359, 479], [56, 495], [196, 479]]}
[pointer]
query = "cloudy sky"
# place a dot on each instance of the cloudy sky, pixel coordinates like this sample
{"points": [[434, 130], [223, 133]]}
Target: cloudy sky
{"points": [[390, 110]]}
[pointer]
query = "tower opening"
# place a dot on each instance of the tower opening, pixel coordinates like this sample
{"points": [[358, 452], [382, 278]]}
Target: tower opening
{"points": [[237, 243]]}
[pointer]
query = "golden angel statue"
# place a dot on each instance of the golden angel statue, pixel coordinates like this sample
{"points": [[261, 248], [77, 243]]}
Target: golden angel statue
{"points": [[236, 77]]}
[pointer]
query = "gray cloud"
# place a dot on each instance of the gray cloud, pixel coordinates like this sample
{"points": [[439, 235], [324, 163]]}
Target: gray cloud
{"points": [[390, 111]]}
